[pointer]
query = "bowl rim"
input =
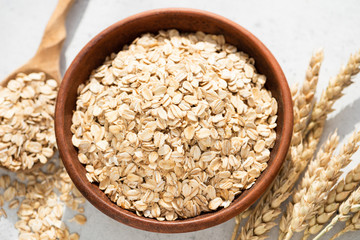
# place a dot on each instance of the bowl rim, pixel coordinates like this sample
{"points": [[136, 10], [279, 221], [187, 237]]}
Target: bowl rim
{"points": [[204, 220]]}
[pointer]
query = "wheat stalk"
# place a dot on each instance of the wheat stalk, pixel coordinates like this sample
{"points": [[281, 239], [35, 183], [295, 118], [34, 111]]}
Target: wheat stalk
{"points": [[238, 219], [352, 224], [268, 208], [316, 126], [328, 207], [351, 205]]}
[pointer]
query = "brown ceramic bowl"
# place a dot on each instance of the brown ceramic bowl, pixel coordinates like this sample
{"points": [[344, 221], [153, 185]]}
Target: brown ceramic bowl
{"points": [[125, 31]]}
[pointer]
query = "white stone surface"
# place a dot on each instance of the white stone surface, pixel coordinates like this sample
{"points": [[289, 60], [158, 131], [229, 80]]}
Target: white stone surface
{"points": [[292, 30]]}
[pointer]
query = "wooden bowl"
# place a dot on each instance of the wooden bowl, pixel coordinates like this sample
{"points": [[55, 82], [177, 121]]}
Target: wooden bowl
{"points": [[125, 31]]}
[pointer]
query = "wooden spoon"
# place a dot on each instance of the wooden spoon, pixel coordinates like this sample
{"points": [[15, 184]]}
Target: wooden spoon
{"points": [[47, 57]]}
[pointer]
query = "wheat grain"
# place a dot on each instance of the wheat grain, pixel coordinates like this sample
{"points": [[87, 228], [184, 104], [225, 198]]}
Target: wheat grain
{"points": [[268, 209], [318, 117], [351, 205]]}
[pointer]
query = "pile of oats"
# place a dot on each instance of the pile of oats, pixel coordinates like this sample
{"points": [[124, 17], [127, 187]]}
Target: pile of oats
{"points": [[27, 121], [26, 138], [175, 125], [40, 197]]}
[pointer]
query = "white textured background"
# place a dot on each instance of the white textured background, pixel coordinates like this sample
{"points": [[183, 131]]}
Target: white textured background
{"points": [[292, 30]]}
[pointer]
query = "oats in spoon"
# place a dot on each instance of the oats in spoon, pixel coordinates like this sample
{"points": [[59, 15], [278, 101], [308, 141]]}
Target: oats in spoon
{"points": [[27, 121]]}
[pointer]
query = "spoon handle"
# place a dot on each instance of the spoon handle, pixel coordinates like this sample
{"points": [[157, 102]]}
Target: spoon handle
{"points": [[47, 56]]}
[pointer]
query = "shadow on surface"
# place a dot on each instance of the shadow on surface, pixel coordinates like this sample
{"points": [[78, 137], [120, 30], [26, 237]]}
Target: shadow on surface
{"points": [[73, 20], [349, 115]]}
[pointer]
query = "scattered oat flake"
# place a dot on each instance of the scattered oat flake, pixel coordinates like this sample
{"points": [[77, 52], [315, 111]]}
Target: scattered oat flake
{"points": [[80, 219], [74, 236]]}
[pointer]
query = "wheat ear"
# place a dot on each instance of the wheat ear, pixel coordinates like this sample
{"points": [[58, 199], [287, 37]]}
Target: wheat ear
{"points": [[304, 156], [334, 91], [268, 209], [330, 170], [351, 205], [328, 207], [314, 185], [318, 117]]}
